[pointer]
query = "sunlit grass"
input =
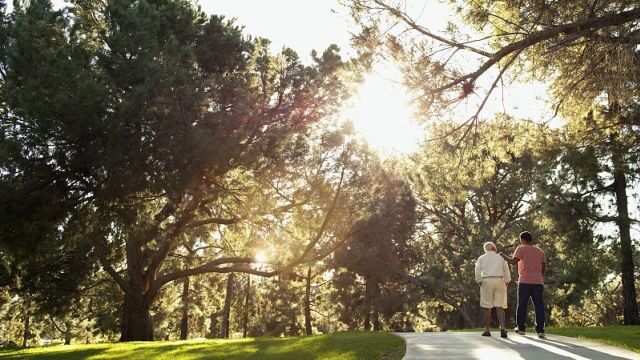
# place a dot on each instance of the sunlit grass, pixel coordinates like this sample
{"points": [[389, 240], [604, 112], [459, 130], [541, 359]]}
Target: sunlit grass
{"points": [[338, 346]]}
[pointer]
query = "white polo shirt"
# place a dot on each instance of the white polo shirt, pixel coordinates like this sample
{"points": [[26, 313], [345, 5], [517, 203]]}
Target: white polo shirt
{"points": [[492, 265]]}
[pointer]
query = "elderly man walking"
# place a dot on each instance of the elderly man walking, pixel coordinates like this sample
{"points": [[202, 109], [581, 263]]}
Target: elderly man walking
{"points": [[493, 275]]}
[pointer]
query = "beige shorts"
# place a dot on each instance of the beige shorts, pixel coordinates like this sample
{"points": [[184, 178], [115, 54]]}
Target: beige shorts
{"points": [[493, 293]]}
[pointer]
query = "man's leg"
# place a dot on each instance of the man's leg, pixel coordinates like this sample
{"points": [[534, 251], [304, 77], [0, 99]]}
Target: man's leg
{"points": [[538, 304], [523, 301], [487, 319], [485, 304], [500, 313]]}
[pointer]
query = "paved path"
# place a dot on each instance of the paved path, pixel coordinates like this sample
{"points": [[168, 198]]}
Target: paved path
{"points": [[470, 345]]}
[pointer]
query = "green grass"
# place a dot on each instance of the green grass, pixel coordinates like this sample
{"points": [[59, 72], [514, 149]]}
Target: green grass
{"points": [[338, 346], [627, 337]]}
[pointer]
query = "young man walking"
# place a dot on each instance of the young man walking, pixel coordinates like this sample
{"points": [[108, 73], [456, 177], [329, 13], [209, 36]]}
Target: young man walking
{"points": [[493, 275], [531, 266]]}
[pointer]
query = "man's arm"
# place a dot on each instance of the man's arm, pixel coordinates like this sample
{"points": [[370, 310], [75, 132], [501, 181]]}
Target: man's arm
{"points": [[478, 272], [507, 272], [511, 260]]}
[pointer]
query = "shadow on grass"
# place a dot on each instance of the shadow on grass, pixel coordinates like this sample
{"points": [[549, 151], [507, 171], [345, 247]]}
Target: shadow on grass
{"points": [[340, 345], [347, 346], [153, 350], [58, 355]]}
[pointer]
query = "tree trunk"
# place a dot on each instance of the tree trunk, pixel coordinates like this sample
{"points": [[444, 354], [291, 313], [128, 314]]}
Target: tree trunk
{"points": [[136, 320], [67, 333], [376, 316], [307, 304], [27, 329], [245, 316], [465, 310], [367, 305], [294, 328], [631, 316], [226, 311], [213, 325], [184, 324]]}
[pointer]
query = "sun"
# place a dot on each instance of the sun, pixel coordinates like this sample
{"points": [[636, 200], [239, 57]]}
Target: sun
{"points": [[261, 257], [383, 116]]}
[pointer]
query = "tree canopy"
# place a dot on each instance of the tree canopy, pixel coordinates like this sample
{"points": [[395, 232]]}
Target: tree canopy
{"points": [[165, 175]]}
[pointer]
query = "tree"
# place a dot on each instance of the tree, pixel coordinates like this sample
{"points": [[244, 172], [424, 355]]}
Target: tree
{"points": [[381, 250], [598, 161], [484, 193], [246, 307], [170, 120], [226, 310]]}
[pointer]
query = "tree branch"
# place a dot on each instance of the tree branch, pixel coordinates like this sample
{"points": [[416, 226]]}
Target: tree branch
{"points": [[409, 21], [214, 265], [582, 26], [215, 220], [110, 270], [56, 326]]}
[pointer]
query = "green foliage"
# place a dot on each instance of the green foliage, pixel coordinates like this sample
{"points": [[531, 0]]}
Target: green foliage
{"points": [[171, 126], [279, 306], [601, 305], [582, 66], [490, 188], [379, 254], [482, 191]]}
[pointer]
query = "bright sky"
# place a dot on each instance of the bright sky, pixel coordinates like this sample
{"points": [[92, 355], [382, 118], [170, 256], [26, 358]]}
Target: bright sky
{"points": [[381, 111], [299, 24]]}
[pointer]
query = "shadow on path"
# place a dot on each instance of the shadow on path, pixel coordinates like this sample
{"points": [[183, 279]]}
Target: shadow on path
{"points": [[571, 350], [472, 346]]}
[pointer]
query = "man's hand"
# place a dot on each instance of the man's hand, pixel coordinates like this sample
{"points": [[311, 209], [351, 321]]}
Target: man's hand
{"points": [[509, 259]]}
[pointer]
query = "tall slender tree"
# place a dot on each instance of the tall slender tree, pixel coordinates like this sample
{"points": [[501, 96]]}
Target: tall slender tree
{"points": [[381, 251]]}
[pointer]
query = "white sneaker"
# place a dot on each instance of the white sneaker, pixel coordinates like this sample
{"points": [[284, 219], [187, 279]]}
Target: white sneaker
{"points": [[541, 336], [518, 331]]}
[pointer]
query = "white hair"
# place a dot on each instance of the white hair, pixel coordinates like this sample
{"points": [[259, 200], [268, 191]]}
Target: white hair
{"points": [[489, 246]]}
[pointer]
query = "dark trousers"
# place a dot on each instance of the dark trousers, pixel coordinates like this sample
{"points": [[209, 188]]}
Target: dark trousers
{"points": [[533, 291]]}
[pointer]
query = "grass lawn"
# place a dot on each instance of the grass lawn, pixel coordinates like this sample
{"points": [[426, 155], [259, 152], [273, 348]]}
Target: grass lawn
{"points": [[338, 346], [627, 337]]}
